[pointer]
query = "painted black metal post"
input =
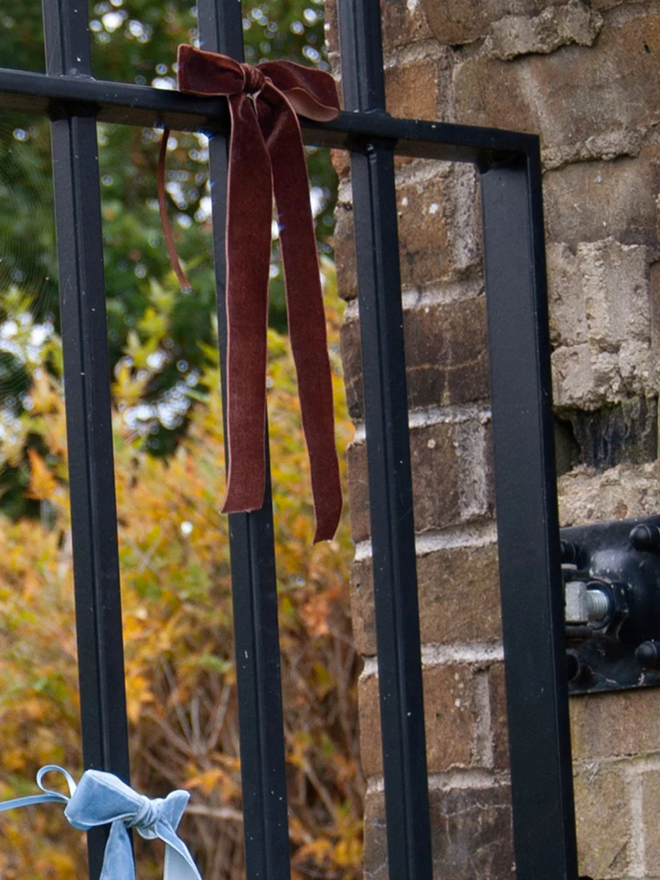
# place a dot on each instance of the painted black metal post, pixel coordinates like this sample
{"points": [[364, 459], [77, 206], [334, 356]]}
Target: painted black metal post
{"points": [[388, 451], [89, 429], [527, 523], [254, 586]]}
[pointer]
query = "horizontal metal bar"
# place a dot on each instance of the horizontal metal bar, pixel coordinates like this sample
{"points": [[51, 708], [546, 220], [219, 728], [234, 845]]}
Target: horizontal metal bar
{"points": [[129, 104]]}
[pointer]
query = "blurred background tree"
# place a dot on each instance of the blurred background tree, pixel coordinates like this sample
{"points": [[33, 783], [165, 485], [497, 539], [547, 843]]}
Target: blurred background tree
{"points": [[169, 474], [133, 41], [177, 614]]}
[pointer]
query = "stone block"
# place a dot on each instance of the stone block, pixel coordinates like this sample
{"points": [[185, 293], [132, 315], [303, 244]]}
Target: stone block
{"points": [[600, 309], [592, 201], [449, 580], [604, 821], [446, 356], [574, 95], [471, 834], [439, 228], [599, 294], [345, 257], [416, 90], [439, 224], [455, 22], [341, 162], [403, 22], [498, 716], [451, 470], [601, 724], [651, 827], [331, 27], [451, 712], [620, 493], [568, 311], [556, 26]]}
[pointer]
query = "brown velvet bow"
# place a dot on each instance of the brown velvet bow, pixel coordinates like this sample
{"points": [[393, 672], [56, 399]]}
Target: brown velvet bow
{"points": [[266, 158]]}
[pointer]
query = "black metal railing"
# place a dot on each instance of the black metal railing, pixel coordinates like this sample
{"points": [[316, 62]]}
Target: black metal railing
{"points": [[528, 536]]}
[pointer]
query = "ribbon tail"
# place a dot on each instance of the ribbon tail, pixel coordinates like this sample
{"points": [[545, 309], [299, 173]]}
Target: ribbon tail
{"points": [[118, 861], [179, 864], [33, 800], [249, 215], [305, 311]]}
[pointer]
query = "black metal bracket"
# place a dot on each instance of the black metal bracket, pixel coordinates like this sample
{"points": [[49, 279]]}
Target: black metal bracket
{"points": [[612, 594]]}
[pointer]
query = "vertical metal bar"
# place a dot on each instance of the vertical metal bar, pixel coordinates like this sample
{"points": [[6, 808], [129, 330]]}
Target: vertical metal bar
{"points": [[89, 429], [254, 586], [388, 451], [527, 524]]}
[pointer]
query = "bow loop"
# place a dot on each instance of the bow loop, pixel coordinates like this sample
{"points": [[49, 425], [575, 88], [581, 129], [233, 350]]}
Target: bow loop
{"points": [[204, 73], [311, 92]]}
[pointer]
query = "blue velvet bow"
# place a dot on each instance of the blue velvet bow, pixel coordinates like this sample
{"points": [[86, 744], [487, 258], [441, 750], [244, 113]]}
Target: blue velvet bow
{"points": [[102, 799]]}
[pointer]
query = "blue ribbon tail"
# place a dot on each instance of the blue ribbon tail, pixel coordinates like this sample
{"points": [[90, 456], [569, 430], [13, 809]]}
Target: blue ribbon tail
{"points": [[31, 800], [179, 864], [118, 860]]}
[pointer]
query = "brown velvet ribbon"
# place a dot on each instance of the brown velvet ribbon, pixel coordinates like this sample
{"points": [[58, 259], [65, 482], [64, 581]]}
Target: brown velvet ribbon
{"points": [[266, 158]]}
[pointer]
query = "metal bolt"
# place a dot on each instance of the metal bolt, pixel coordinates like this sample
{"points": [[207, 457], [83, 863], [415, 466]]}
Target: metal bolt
{"points": [[648, 655], [569, 552], [586, 603], [598, 604], [645, 538]]}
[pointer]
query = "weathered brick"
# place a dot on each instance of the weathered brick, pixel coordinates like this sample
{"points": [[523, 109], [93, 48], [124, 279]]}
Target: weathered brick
{"points": [[650, 782], [452, 477], [601, 725], [654, 297], [590, 201], [572, 95], [498, 716], [404, 96], [341, 162], [451, 716], [599, 293], [345, 257], [403, 22], [462, 21], [556, 26], [620, 493], [446, 356], [568, 312], [601, 323], [331, 26], [604, 825], [439, 224], [448, 580], [471, 834]]}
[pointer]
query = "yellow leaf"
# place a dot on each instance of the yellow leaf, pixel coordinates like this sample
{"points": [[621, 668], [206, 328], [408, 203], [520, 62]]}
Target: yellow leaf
{"points": [[42, 482]]}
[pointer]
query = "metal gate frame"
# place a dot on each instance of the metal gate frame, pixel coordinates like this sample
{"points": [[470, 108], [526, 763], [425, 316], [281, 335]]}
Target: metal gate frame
{"points": [[528, 535]]}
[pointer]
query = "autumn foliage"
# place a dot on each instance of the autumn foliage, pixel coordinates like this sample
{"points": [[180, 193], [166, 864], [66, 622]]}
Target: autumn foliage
{"points": [[177, 614]]}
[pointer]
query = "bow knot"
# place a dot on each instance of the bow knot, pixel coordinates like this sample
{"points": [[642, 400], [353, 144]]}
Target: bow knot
{"points": [[266, 159], [254, 79], [146, 817]]}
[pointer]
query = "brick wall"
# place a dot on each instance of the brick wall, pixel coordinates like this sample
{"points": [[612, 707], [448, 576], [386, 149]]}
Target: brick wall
{"points": [[586, 78]]}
